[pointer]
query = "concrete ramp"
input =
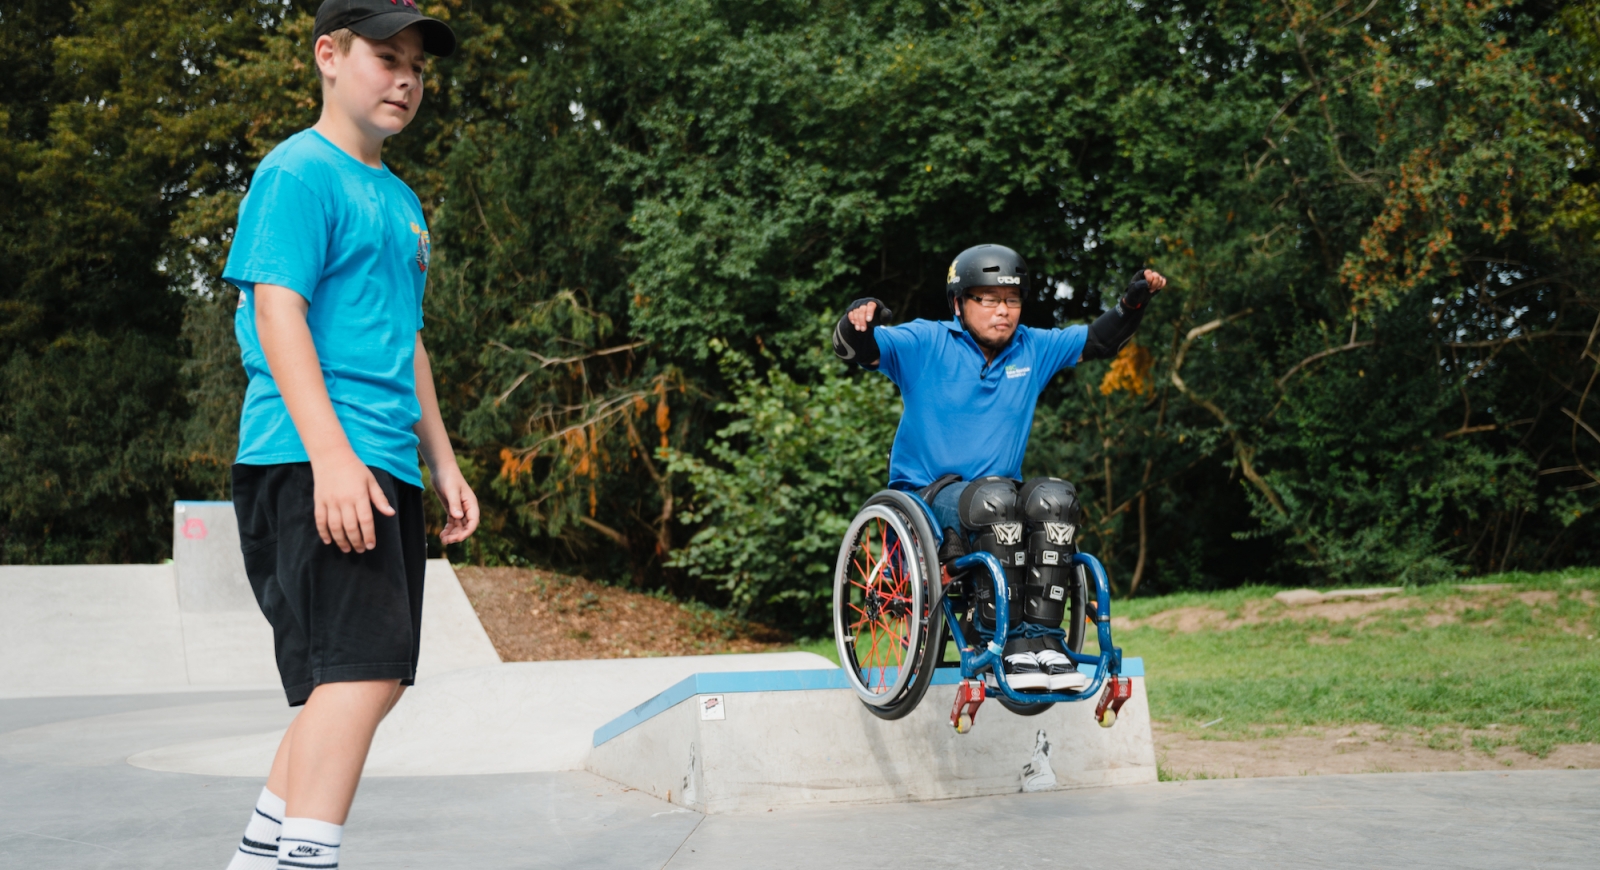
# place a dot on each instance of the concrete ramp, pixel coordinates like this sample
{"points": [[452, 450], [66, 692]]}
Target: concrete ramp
{"points": [[516, 717], [190, 625], [719, 743]]}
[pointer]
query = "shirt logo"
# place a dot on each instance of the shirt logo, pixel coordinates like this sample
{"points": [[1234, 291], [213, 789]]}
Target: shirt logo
{"points": [[1018, 371], [424, 248]]}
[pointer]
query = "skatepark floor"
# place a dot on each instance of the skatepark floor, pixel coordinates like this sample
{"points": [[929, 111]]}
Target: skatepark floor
{"points": [[69, 800]]}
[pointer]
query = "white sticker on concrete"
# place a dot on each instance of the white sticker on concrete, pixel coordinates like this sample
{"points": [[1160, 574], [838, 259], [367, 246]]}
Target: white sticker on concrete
{"points": [[711, 707]]}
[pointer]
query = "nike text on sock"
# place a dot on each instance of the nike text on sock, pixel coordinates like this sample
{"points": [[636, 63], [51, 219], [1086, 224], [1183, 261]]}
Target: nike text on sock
{"points": [[258, 850], [309, 843]]}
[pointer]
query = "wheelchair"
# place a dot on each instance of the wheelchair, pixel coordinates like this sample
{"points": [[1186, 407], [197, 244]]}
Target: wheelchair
{"points": [[893, 603]]}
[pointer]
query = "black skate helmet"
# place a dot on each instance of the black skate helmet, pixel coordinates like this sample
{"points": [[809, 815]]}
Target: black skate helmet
{"points": [[984, 266]]}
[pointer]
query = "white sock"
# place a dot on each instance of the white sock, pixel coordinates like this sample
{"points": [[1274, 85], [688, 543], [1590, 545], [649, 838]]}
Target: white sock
{"points": [[259, 848], [309, 843]]}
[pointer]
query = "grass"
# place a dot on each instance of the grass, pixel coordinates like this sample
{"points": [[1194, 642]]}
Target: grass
{"points": [[1486, 669], [1524, 669]]}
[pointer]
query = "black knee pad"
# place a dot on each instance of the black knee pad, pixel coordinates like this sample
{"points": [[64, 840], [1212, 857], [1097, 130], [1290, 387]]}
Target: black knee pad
{"points": [[986, 501], [988, 506], [1050, 506], [1049, 500]]}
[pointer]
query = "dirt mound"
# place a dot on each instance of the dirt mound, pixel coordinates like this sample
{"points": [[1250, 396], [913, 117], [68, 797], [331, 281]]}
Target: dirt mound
{"points": [[1358, 749], [534, 615], [1431, 612]]}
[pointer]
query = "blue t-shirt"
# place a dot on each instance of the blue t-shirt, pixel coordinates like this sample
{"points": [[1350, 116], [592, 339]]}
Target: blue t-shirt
{"points": [[351, 239], [964, 415]]}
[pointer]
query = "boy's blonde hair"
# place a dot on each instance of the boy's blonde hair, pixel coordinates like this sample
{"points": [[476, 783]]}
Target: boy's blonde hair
{"points": [[343, 38]]}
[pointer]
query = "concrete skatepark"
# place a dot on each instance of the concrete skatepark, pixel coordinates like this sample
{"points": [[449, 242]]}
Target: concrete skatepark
{"points": [[139, 706]]}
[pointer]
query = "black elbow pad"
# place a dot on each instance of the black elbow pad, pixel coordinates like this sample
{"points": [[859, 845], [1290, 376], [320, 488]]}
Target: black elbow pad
{"points": [[854, 346], [1115, 328], [1111, 331]]}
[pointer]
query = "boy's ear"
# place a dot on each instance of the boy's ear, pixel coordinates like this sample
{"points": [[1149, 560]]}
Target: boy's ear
{"points": [[328, 48]]}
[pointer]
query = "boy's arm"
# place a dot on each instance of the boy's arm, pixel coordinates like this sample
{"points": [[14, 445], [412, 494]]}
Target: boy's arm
{"points": [[457, 497], [344, 489]]}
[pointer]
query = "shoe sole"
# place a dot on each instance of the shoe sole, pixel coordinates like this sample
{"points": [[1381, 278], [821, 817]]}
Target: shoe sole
{"points": [[1028, 682], [1077, 684]]}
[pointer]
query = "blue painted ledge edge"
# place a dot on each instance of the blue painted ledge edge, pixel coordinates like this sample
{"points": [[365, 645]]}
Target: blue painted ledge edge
{"points": [[765, 681]]}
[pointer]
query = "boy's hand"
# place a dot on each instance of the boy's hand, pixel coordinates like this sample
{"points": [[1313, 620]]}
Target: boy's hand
{"points": [[860, 317], [460, 505], [345, 492], [867, 312]]}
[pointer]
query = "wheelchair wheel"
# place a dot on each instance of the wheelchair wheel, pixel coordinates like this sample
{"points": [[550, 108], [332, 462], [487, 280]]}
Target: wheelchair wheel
{"points": [[1075, 635], [888, 633]]}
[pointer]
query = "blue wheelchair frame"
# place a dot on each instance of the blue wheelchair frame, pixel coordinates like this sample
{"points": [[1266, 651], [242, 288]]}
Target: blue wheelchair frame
{"points": [[975, 660]]}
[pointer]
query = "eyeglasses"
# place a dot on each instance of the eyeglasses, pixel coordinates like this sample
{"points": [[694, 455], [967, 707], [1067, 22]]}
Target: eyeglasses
{"points": [[1013, 302]]}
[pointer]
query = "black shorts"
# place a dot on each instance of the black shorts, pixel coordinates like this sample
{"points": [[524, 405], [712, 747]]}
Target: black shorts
{"points": [[336, 617]]}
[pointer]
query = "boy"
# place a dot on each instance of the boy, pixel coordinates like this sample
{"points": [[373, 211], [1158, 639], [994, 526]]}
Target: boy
{"points": [[330, 256]]}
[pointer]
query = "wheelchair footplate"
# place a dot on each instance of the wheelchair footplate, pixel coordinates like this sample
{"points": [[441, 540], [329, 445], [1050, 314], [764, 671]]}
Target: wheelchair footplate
{"points": [[969, 697]]}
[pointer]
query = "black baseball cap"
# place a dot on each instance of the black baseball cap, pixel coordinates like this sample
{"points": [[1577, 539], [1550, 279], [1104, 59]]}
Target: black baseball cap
{"points": [[381, 19]]}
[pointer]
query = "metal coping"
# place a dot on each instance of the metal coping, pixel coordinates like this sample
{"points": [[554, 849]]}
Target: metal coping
{"points": [[766, 681]]}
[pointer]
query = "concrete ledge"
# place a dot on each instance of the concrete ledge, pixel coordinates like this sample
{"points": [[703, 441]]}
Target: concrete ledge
{"points": [[743, 747]]}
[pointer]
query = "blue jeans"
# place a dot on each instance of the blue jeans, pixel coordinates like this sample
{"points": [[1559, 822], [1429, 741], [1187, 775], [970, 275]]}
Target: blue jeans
{"points": [[946, 506]]}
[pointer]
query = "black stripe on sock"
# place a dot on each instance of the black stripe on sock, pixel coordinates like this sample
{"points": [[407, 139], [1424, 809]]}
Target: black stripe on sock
{"points": [[283, 863], [267, 817], [270, 847]]}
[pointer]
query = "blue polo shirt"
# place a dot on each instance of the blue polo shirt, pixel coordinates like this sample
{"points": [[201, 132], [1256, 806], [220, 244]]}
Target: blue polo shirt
{"points": [[964, 415]]}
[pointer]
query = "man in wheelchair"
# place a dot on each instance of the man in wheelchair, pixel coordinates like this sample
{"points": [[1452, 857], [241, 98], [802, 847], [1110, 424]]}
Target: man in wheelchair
{"points": [[969, 386]]}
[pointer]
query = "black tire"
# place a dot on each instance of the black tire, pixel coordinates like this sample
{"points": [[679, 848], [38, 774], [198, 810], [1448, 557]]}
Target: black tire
{"points": [[1080, 603], [931, 642], [1022, 709]]}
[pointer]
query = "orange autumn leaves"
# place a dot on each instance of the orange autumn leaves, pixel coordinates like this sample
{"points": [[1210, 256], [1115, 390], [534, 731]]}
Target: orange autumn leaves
{"points": [[582, 451], [1129, 372]]}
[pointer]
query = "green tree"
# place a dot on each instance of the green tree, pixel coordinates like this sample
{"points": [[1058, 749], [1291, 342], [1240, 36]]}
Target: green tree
{"points": [[1376, 362], [114, 121]]}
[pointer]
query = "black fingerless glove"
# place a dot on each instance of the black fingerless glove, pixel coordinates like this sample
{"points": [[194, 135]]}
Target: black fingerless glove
{"points": [[1138, 294], [852, 345], [879, 318]]}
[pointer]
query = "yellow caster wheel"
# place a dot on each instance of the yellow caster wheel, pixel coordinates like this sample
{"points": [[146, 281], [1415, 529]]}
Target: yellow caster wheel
{"points": [[963, 724], [1108, 718]]}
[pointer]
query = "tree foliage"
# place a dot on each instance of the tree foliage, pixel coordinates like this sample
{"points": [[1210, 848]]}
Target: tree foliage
{"points": [[1376, 360]]}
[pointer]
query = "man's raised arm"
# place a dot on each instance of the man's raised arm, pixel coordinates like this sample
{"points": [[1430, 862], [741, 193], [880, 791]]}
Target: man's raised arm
{"points": [[1113, 329], [853, 339]]}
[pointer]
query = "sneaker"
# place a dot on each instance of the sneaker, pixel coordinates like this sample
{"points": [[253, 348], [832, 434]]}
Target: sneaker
{"points": [[1023, 673], [1060, 672]]}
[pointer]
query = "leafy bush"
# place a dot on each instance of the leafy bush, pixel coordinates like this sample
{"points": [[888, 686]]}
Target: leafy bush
{"points": [[783, 480]]}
